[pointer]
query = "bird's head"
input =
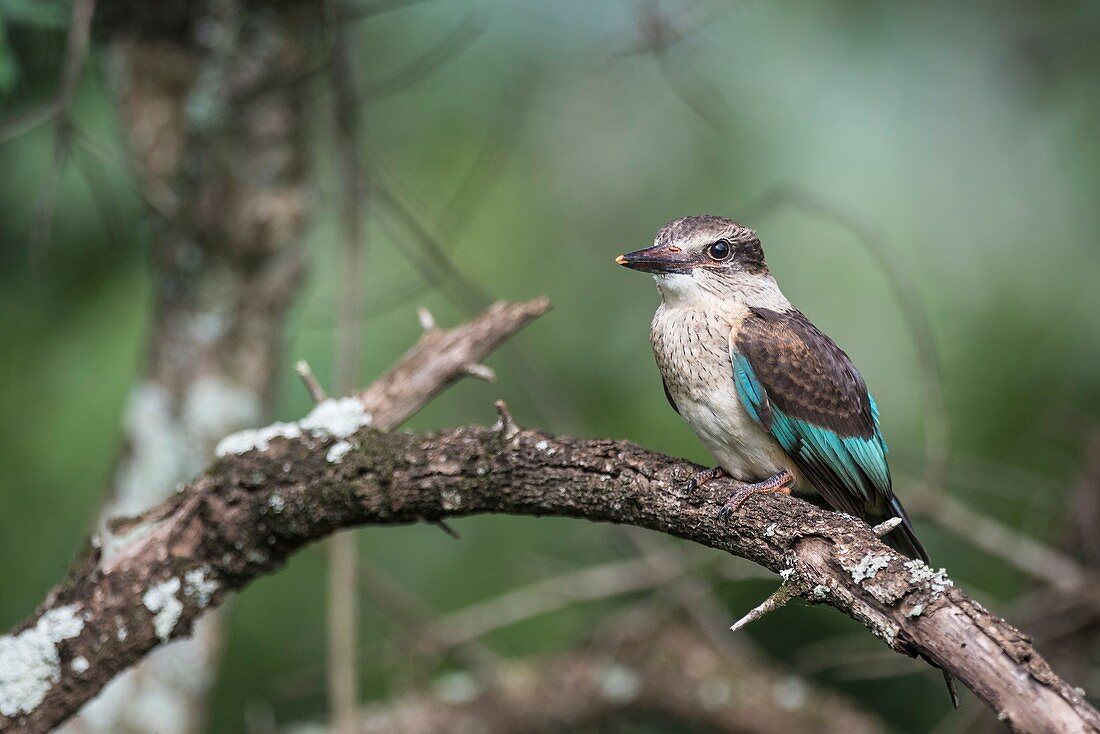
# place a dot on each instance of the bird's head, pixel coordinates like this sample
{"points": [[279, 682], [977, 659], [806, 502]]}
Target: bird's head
{"points": [[702, 254]]}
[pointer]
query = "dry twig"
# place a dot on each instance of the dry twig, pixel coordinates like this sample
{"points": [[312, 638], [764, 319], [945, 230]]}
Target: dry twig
{"points": [[343, 553], [633, 666], [76, 55]]}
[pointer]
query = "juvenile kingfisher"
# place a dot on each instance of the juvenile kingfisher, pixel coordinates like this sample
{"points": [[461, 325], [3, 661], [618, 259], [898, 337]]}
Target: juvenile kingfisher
{"points": [[779, 405]]}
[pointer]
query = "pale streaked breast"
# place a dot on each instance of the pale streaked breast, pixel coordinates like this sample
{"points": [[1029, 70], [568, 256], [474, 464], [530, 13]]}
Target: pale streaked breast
{"points": [[691, 346]]}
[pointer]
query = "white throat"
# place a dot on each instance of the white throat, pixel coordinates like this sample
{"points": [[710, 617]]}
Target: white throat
{"points": [[750, 290]]}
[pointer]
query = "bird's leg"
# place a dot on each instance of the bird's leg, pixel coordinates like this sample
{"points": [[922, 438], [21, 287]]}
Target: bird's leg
{"points": [[699, 478], [780, 483]]}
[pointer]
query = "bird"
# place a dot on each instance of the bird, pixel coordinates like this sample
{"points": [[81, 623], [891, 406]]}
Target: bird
{"points": [[778, 404]]}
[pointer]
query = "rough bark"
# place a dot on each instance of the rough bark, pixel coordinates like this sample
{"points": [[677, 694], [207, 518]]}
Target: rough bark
{"points": [[245, 515], [216, 137], [635, 667]]}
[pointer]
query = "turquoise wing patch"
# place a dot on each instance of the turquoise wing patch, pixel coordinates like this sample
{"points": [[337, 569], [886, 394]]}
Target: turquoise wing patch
{"points": [[858, 462], [750, 392]]}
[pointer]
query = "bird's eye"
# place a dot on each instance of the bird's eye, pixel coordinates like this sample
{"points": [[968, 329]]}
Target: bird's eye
{"points": [[719, 250]]}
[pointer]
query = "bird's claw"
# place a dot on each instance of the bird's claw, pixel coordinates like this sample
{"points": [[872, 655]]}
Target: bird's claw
{"points": [[780, 483], [699, 478], [725, 512]]}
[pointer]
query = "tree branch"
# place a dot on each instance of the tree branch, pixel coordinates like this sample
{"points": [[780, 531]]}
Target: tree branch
{"points": [[635, 664], [440, 358], [278, 489]]}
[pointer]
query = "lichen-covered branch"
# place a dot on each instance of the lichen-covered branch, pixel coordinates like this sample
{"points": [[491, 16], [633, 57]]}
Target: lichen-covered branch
{"points": [[252, 509], [277, 489], [29, 663]]}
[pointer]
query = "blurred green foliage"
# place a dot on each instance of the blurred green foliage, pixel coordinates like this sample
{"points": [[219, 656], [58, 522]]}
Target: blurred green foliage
{"points": [[966, 134]]}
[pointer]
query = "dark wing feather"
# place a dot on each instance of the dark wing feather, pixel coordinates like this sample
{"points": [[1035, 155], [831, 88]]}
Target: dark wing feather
{"points": [[668, 395], [802, 388]]}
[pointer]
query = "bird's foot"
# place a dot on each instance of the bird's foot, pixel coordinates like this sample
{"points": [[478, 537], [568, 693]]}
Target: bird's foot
{"points": [[780, 483], [699, 478]]}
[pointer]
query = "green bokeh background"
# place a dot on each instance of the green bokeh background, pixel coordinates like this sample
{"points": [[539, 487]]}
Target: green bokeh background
{"points": [[966, 136]]}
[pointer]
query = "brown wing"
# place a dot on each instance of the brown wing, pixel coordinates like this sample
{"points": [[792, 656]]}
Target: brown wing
{"points": [[807, 393]]}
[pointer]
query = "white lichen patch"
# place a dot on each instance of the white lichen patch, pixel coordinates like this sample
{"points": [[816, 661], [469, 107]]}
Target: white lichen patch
{"points": [[714, 693], [155, 461], [29, 661], [935, 580], [915, 611], [198, 585], [338, 451], [214, 406], [869, 566], [819, 593], [166, 607], [620, 684], [169, 441], [457, 687], [338, 418], [80, 664], [160, 695], [888, 633], [256, 439], [276, 502], [334, 418], [208, 327], [450, 500], [789, 693], [257, 557], [770, 530], [60, 624]]}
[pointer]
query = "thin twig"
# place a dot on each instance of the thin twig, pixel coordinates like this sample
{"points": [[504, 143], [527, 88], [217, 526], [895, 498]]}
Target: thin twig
{"points": [[505, 424], [429, 255], [27, 120], [664, 39], [156, 194], [541, 597], [1022, 552], [76, 55], [885, 527], [635, 665], [343, 552], [444, 51], [370, 8], [504, 131], [776, 600], [695, 596], [313, 385]]}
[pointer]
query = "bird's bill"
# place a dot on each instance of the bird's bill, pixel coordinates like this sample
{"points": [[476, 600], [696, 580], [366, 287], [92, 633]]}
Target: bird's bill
{"points": [[657, 259]]}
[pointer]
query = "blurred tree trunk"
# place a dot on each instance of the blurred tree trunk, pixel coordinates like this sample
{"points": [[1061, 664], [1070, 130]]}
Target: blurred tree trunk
{"points": [[211, 98]]}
